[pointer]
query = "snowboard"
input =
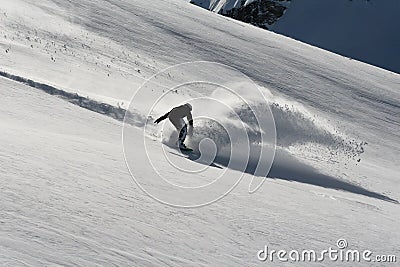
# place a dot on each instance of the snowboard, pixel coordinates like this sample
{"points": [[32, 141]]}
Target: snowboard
{"points": [[186, 149]]}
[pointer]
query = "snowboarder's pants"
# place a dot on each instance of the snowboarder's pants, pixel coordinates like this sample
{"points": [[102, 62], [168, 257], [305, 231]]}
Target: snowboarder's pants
{"points": [[182, 135], [181, 127]]}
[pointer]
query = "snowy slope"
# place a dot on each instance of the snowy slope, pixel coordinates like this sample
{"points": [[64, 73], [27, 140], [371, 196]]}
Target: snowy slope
{"points": [[359, 29], [69, 198], [103, 56]]}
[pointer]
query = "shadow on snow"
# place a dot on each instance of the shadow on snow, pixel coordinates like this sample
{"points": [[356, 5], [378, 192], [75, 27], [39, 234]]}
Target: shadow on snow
{"points": [[288, 168]]}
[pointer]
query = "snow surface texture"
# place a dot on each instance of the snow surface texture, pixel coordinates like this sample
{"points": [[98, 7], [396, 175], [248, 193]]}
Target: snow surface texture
{"points": [[68, 198], [365, 30]]}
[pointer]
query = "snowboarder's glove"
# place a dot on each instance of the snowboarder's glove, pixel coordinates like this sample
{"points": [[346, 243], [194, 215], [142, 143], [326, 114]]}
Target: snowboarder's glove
{"points": [[191, 123]]}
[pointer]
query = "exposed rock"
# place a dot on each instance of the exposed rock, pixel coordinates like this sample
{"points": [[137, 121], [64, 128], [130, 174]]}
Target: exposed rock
{"points": [[261, 13]]}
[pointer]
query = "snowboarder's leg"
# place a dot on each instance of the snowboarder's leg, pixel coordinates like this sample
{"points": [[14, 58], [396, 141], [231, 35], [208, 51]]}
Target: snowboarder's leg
{"points": [[182, 136], [181, 127]]}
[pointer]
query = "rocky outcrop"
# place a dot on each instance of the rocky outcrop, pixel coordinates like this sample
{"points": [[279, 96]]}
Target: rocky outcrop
{"points": [[261, 13]]}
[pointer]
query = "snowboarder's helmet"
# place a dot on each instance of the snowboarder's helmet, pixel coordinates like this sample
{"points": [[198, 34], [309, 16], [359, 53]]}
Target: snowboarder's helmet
{"points": [[189, 106]]}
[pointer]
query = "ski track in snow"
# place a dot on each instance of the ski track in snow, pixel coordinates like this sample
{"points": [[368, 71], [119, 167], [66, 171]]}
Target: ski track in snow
{"points": [[117, 113]]}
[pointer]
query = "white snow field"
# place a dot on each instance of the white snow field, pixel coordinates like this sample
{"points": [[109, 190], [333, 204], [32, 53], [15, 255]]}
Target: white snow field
{"points": [[68, 71]]}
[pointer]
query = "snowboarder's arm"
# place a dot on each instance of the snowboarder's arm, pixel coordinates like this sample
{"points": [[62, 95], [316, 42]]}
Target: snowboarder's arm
{"points": [[162, 118]]}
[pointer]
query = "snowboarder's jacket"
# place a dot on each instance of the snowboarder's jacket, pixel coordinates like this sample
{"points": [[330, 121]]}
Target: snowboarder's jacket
{"points": [[177, 114]]}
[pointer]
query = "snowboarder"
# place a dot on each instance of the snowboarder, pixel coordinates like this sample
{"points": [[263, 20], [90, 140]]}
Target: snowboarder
{"points": [[176, 116]]}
